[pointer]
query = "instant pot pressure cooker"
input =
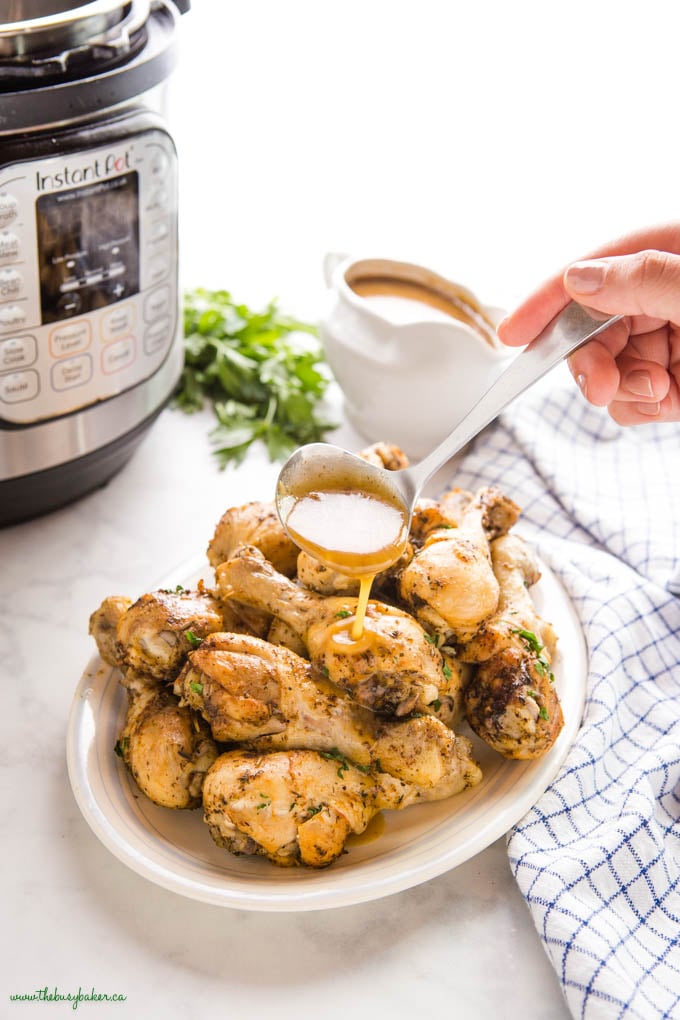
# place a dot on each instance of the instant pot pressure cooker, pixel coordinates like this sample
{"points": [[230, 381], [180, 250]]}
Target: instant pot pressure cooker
{"points": [[90, 339]]}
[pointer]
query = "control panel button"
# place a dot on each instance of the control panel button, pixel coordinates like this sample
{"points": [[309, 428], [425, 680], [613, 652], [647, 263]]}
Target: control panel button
{"points": [[118, 322], [156, 303], [69, 304], [70, 338], [11, 284], [17, 352], [19, 386], [71, 372], [157, 335], [159, 267], [9, 246], [118, 355], [158, 164], [9, 208], [158, 200], [159, 230], [12, 315]]}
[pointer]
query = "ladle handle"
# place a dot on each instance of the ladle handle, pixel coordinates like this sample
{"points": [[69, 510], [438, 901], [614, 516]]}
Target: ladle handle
{"points": [[568, 331]]}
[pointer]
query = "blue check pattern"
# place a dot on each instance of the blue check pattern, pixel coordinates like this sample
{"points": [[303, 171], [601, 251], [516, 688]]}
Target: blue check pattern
{"points": [[598, 857]]}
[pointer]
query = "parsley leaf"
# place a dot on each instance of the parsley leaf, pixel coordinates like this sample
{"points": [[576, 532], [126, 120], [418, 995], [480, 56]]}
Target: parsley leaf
{"points": [[262, 379], [121, 746], [192, 638]]}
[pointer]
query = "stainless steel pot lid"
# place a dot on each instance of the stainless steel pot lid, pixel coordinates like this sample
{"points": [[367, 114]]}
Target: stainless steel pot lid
{"points": [[71, 81], [36, 29]]}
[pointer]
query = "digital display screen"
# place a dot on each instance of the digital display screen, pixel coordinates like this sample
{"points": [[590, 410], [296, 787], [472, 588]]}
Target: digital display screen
{"points": [[88, 244]]}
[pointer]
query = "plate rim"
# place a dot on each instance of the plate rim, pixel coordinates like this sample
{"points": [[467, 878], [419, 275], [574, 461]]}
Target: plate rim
{"points": [[293, 897]]}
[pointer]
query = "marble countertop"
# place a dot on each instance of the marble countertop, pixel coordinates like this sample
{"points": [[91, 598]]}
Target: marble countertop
{"points": [[81, 918]]}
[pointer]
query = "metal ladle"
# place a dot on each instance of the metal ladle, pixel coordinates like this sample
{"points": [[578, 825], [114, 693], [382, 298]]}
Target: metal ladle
{"points": [[322, 466]]}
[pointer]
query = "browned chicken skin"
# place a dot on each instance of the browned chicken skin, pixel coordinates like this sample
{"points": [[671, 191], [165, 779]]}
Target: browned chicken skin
{"points": [[291, 807], [251, 691], [516, 570], [393, 668], [512, 704], [298, 806], [104, 627], [167, 748], [151, 634], [450, 585], [255, 524]]}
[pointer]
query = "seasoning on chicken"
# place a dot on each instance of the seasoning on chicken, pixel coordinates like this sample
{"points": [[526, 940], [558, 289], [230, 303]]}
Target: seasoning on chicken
{"points": [[280, 633], [251, 691], [167, 748], [298, 807], [511, 702], [104, 627], [385, 455], [255, 524], [450, 585], [155, 634], [291, 807], [516, 569], [392, 668]]}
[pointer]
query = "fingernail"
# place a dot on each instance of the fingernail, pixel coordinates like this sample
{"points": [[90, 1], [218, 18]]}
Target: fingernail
{"points": [[649, 409], [585, 277], [639, 384], [582, 384]]}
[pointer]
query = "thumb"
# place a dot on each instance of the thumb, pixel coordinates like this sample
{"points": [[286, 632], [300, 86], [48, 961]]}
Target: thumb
{"points": [[646, 283]]}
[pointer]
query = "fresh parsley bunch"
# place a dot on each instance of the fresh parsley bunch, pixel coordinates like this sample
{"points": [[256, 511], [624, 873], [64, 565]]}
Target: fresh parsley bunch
{"points": [[263, 382]]}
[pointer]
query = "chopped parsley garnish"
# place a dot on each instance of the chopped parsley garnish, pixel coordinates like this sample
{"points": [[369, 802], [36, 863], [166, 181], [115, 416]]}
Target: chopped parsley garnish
{"points": [[314, 810], [335, 755], [436, 704], [121, 746], [447, 670], [192, 638], [535, 646], [432, 639], [544, 712], [343, 614], [196, 688], [265, 803]]}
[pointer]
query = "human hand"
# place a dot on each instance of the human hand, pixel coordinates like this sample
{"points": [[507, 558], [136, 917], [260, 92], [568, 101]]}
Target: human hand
{"points": [[633, 367]]}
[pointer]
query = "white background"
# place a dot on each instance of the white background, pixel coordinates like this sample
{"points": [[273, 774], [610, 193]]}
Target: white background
{"points": [[492, 141]]}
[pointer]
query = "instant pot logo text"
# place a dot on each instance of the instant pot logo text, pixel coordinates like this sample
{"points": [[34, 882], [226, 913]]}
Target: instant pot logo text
{"points": [[84, 173]]}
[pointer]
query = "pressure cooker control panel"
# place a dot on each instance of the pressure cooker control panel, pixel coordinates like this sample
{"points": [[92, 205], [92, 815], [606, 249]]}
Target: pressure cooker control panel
{"points": [[88, 274]]}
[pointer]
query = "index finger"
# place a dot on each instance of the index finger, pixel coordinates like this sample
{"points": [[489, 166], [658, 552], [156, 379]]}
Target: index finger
{"points": [[530, 317]]}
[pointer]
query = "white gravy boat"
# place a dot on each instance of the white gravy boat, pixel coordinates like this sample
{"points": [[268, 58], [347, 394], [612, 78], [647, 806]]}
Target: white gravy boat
{"points": [[411, 350]]}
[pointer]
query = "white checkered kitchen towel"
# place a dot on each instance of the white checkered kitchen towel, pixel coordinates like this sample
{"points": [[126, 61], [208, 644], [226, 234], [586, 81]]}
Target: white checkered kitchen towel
{"points": [[598, 857]]}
